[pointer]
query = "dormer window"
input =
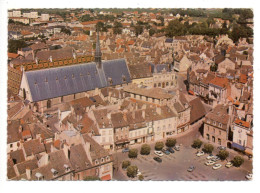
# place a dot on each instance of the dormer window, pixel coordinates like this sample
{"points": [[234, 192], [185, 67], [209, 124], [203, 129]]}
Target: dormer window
{"points": [[67, 168], [123, 78], [57, 78], [214, 122], [65, 77], [110, 81], [102, 160], [107, 158], [72, 75], [39, 176], [96, 162], [220, 125], [54, 172]]}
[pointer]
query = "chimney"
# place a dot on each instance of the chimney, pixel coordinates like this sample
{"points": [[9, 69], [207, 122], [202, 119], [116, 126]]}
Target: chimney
{"points": [[66, 151], [230, 108], [28, 173]]}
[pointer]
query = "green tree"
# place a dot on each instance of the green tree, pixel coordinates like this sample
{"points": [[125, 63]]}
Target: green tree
{"points": [[170, 142], [91, 178], [208, 148], [175, 28], [101, 27], [159, 146], [14, 45], [141, 177], [132, 171], [197, 143], [138, 29], [86, 17], [152, 32], [117, 28], [237, 161], [132, 153], [223, 154], [145, 149], [125, 164]]}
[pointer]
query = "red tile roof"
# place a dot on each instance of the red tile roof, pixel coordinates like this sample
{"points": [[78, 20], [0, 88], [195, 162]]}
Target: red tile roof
{"points": [[221, 82], [106, 177], [243, 123], [243, 78], [12, 55]]}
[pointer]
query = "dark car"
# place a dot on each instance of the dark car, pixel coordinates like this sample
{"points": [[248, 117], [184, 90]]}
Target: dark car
{"points": [[191, 168], [157, 159], [170, 150], [125, 150], [165, 151]]}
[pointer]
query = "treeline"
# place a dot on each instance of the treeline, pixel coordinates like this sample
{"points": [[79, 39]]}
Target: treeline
{"points": [[176, 28]]}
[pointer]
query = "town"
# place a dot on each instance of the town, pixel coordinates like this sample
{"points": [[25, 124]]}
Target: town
{"points": [[130, 94]]}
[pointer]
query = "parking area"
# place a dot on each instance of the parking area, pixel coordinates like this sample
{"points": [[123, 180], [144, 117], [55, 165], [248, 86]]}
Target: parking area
{"points": [[174, 167]]}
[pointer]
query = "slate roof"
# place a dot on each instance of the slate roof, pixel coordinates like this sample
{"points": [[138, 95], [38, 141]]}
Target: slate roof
{"points": [[55, 82]]}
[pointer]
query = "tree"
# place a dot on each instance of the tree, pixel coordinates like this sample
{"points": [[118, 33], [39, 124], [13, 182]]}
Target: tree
{"points": [[132, 171], [175, 28], [66, 31], [159, 145], [237, 161], [141, 177], [208, 148], [145, 149], [125, 164], [91, 178], [132, 153], [86, 17], [14, 45], [152, 31], [170, 142], [138, 29], [117, 29], [197, 143], [101, 26], [223, 154]]}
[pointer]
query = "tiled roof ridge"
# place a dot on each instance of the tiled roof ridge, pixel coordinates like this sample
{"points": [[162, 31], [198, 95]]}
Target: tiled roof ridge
{"points": [[56, 63]]}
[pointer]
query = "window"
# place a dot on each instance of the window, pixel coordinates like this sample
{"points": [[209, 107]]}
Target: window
{"points": [[61, 99], [214, 122], [11, 145], [220, 125], [154, 85], [96, 162], [208, 128], [48, 104], [107, 158], [219, 141], [213, 139], [239, 141], [102, 160], [214, 130], [219, 132], [207, 136]]}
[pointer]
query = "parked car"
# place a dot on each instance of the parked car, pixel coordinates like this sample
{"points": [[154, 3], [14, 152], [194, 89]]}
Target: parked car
{"points": [[217, 166], [249, 176], [210, 156], [125, 150], [170, 150], [229, 164], [165, 151], [222, 148], [215, 159], [191, 169], [177, 148], [200, 153], [159, 153], [209, 163], [157, 159]]}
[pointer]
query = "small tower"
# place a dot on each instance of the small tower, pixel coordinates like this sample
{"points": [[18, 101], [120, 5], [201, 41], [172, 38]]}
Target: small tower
{"points": [[98, 53]]}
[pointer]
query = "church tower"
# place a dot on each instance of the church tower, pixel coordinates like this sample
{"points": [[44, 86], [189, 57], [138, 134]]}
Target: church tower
{"points": [[98, 53]]}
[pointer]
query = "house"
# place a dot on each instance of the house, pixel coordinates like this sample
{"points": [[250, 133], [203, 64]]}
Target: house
{"points": [[217, 125], [240, 129], [225, 65]]}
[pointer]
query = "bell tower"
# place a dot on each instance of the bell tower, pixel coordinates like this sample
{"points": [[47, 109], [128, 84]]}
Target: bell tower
{"points": [[98, 53]]}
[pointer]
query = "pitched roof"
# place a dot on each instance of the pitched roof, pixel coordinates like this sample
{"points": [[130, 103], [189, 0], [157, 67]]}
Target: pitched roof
{"points": [[33, 147], [55, 82], [221, 82], [197, 110], [17, 156], [14, 79], [242, 123]]}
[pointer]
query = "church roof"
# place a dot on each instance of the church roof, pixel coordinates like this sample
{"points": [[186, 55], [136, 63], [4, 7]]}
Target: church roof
{"points": [[61, 81]]}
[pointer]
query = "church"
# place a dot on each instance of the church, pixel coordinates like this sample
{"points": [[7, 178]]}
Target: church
{"points": [[47, 88]]}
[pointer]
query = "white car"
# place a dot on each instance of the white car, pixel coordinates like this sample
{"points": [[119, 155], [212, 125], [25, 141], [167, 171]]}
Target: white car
{"points": [[210, 157], [229, 164], [217, 166], [209, 163], [200, 153], [249, 176], [159, 153]]}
